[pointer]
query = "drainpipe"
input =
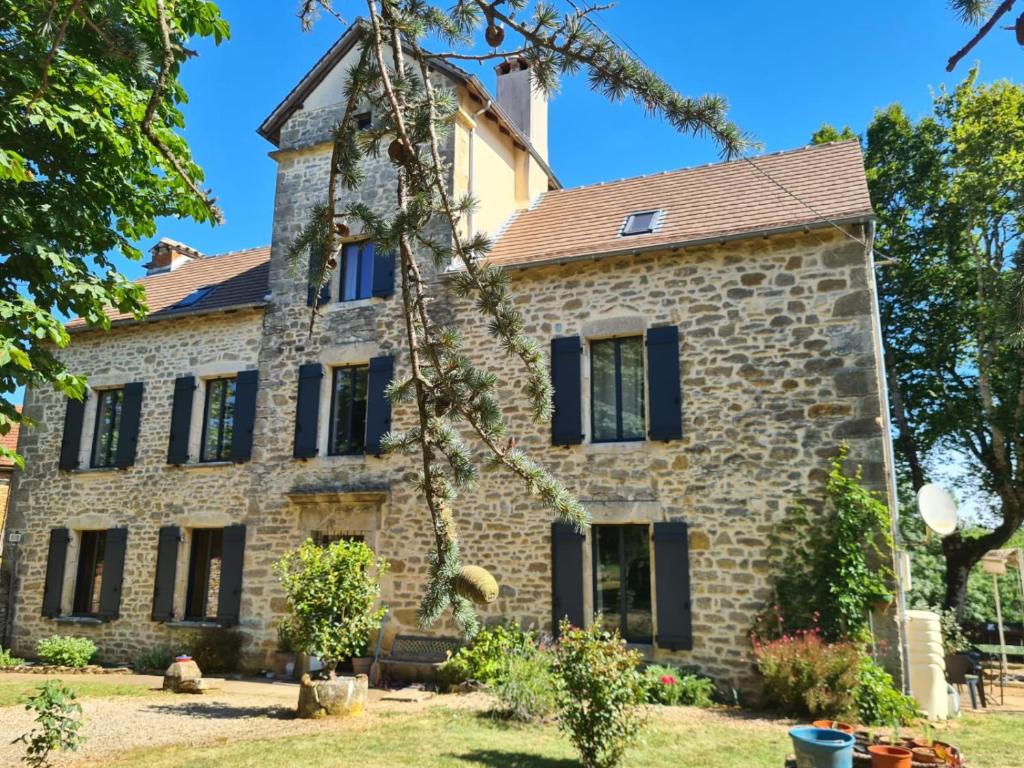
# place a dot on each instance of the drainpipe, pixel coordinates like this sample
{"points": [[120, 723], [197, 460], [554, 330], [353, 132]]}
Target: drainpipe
{"points": [[472, 164], [890, 460]]}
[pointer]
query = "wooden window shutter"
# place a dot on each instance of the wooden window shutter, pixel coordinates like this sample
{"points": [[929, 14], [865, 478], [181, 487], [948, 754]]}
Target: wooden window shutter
{"points": [[672, 585], [383, 274], [666, 400], [71, 444], [166, 572], [113, 573], [311, 291], [181, 420], [307, 410], [128, 432], [53, 587], [566, 575], [229, 602], [378, 407], [566, 418], [245, 415]]}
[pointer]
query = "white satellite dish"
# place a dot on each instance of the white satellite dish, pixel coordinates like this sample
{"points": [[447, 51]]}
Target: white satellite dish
{"points": [[938, 509]]}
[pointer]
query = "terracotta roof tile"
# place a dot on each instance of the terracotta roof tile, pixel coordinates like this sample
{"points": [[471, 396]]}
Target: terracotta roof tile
{"points": [[10, 442], [239, 278], [701, 203]]}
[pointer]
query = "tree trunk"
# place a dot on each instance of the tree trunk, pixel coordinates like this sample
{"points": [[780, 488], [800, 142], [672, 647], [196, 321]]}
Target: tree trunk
{"points": [[905, 439], [958, 567]]}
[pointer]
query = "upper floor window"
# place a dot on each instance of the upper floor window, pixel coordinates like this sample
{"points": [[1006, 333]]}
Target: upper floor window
{"points": [[90, 573], [617, 389], [108, 427], [218, 420], [348, 410], [356, 270]]}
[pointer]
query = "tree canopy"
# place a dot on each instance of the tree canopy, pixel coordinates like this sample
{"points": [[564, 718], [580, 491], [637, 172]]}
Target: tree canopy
{"points": [[91, 154]]}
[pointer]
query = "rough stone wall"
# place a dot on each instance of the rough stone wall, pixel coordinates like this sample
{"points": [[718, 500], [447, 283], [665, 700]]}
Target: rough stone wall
{"points": [[143, 497]]}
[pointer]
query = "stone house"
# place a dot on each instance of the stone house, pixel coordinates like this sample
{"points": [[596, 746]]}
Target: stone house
{"points": [[713, 337]]}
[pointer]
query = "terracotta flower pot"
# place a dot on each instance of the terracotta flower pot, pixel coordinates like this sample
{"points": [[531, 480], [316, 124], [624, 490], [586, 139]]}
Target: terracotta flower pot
{"points": [[834, 725], [883, 756], [926, 756]]}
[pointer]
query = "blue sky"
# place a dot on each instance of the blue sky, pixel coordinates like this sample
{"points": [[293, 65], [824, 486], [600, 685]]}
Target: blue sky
{"points": [[784, 67]]}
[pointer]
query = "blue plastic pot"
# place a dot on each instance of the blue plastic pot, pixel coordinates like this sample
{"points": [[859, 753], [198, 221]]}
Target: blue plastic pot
{"points": [[822, 747]]}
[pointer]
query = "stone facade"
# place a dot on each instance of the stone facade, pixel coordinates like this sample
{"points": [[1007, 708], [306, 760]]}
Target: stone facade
{"points": [[778, 368]]}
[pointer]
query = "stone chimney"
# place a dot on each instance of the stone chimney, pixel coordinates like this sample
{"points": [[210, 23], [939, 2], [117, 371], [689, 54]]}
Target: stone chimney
{"points": [[168, 255], [527, 106]]}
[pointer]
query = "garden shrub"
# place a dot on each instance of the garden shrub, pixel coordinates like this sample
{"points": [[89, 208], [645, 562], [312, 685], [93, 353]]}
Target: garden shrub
{"points": [[671, 686], [526, 690], [66, 650], [215, 649], [156, 658], [599, 691], [805, 676], [7, 660], [878, 700], [485, 658], [332, 594]]}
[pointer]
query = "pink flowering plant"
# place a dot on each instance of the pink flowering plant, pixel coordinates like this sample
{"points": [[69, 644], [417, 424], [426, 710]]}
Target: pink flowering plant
{"points": [[673, 686]]}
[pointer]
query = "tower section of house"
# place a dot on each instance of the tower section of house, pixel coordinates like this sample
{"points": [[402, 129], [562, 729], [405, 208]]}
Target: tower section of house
{"points": [[712, 335]]}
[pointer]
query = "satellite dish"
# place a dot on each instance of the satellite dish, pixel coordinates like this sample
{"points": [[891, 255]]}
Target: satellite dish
{"points": [[938, 509]]}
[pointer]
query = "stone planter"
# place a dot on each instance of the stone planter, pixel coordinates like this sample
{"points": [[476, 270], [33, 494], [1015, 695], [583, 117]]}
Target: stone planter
{"points": [[337, 697]]}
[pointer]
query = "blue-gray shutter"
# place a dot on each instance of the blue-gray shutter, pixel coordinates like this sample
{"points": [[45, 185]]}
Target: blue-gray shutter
{"points": [[325, 290], [113, 573], [666, 399], [128, 429], [567, 417], [181, 419], [166, 572], [244, 421], [378, 407], [53, 587], [383, 274], [672, 586], [70, 446], [566, 575], [229, 602], [307, 410]]}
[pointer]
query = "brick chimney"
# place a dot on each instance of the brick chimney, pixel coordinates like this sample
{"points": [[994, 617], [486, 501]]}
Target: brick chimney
{"points": [[527, 106], [168, 255]]}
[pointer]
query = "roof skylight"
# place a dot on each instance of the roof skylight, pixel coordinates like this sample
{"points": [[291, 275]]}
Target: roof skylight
{"points": [[640, 223], [196, 296]]}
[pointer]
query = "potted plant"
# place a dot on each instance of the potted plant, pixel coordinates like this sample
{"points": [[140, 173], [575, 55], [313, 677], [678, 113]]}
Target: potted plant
{"points": [[362, 661], [285, 656], [332, 595]]}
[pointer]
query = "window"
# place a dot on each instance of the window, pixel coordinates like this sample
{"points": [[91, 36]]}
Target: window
{"points": [[196, 296], [617, 389], [348, 410], [640, 223], [622, 580], [356, 271], [204, 574], [364, 120], [108, 427], [325, 539], [218, 420], [90, 573]]}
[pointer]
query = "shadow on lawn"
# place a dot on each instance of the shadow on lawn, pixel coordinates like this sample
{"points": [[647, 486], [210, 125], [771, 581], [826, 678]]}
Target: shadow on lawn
{"points": [[216, 710], [496, 758]]}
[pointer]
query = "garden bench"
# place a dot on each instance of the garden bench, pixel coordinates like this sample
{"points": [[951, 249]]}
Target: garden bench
{"points": [[415, 658]]}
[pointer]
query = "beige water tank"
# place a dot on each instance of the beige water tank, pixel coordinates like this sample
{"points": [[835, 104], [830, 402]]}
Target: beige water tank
{"points": [[927, 663]]}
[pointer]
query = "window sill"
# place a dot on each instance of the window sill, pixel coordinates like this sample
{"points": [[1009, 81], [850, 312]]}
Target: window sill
{"points": [[203, 465], [95, 470], [78, 620], [336, 305], [192, 624], [627, 446]]}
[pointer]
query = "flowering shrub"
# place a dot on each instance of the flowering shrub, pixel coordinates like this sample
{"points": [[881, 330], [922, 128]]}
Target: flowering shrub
{"points": [[485, 659], [672, 686], [804, 675]]}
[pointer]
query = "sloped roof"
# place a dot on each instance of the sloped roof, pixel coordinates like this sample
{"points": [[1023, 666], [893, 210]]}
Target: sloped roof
{"points": [[701, 204], [238, 278], [270, 128], [10, 442]]}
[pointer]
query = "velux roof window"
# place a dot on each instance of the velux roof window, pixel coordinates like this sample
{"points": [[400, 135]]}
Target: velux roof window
{"points": [[640, 223], [196, 296]]}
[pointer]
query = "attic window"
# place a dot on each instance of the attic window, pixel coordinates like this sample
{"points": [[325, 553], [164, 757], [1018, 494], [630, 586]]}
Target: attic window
{"points": [[363, 121], [196, 296], [640, 223]]}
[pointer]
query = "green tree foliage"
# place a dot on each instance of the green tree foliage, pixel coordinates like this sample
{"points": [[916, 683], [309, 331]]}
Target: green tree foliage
{"points": [[59, 717], [413, 112], [828, 133], [332, 597], [946, 190], [90, 155], [830, 569]]}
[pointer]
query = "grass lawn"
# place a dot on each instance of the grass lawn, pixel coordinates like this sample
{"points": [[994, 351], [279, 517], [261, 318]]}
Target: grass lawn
{"points": [[457, 738], [16, 691]]}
